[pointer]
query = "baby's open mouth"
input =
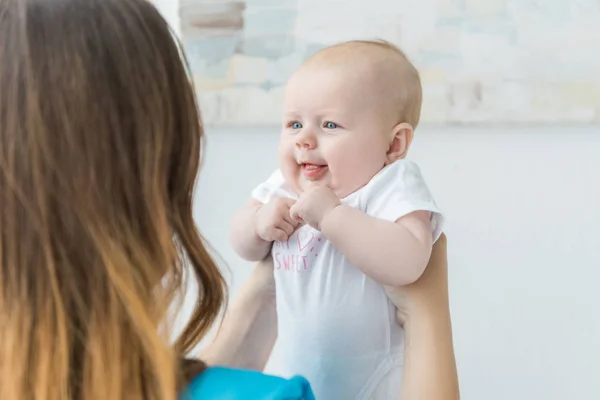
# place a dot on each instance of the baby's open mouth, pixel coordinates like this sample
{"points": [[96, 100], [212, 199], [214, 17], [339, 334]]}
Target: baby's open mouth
{"points": [[313, 171]]}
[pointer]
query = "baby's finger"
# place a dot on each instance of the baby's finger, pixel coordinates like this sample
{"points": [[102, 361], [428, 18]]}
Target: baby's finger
{"points": [[280, 235], [287, 217], [289, 202], [293, 213], [287, 227]]}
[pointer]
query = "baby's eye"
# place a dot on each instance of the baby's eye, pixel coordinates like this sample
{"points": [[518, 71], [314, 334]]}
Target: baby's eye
{"points": [[330, 125], [296, 125]]}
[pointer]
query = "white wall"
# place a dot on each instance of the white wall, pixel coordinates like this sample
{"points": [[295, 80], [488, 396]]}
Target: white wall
{"points": [[523, 211]]}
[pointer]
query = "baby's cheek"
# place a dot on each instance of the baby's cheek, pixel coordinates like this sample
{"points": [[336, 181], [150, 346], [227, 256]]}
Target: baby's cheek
{"points": [[351, 177], [291, 173], [285, 151], [345, 163], [354, 170]]}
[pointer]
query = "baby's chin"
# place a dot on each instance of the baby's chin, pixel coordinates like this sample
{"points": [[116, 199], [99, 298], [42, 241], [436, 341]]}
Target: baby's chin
{"points": [[343, 191], [303, 184]]}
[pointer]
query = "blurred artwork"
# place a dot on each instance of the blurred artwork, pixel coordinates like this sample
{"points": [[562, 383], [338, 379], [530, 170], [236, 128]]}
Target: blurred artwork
{"points": [[481, 61]]}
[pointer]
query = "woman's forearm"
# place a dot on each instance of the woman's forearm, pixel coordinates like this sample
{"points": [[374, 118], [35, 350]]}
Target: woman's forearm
{"points": [[248, 332], [429, 362]]}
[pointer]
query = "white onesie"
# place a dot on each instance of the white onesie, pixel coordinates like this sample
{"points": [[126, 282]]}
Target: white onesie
{"points": [[336, 326]]}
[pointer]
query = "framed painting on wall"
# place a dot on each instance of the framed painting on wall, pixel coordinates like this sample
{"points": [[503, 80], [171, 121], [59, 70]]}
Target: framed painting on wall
{"points": [[481, 61]]}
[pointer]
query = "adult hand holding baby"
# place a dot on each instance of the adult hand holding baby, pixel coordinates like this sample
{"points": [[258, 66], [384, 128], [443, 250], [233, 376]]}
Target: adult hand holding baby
{"points": [[423, 309], [313, 205], [430, 291], [273, 220]]}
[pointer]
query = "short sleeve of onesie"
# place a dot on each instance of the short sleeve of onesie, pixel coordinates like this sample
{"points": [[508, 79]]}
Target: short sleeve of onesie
{"points": [[398, 190], [273, 187]]}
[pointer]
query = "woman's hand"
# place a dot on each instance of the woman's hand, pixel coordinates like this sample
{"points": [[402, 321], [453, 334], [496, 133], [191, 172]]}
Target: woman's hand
{"points": [[429, 363], [262, 281], [248, 332], [429, 291]]}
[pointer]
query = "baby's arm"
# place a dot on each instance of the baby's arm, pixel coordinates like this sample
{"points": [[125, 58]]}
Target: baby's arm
{"points": [[393, 254], [256, 226], [243, 236]]}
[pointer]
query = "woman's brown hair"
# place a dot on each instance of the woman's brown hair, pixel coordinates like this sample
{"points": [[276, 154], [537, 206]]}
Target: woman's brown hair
{"points": [[100, 142]]}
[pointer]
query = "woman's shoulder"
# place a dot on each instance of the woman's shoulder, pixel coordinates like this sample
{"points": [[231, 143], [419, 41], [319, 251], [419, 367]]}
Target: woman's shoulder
{"points": [[235, 384]]}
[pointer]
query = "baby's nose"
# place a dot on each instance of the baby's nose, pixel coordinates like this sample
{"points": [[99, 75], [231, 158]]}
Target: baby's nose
{"points": [[303, 145], [306, 142]]}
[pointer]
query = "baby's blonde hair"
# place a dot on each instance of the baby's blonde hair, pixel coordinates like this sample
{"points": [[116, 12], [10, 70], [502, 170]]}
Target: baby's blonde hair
{"points": [[399, 75]]}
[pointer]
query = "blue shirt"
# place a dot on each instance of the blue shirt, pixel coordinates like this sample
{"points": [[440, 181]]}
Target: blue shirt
{"points": [[234, 384]]}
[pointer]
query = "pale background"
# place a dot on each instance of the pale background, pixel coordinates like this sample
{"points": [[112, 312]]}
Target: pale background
{"points": [[480, 60], [523, 211]]}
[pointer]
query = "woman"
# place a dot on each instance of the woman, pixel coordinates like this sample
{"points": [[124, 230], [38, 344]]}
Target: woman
{"points": [[100, 145]]}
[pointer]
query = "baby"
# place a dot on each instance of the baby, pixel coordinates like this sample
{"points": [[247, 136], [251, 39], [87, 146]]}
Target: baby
{"points": [[345, 215]]}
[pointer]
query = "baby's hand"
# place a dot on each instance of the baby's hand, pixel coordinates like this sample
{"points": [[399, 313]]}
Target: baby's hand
{"points": [[273, 221], [313, 205]]}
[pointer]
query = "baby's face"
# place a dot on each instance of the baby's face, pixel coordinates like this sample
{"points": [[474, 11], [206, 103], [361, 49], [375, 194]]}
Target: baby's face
{"points": [[335, 132]]}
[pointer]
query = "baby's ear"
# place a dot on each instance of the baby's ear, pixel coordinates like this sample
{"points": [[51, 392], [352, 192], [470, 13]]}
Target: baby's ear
{"points": [[401, 140]]}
